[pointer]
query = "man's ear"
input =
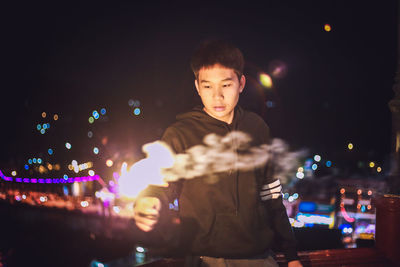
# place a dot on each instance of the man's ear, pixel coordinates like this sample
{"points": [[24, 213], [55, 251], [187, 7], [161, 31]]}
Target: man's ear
{"points": [[196, 83], [242, 83]]}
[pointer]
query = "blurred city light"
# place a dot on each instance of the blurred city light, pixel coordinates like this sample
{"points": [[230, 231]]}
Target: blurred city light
{"points": [[84, 204], [317, 158], [136, 111], [350, 146], [328, 163], [109, 163], [50, 151], [372, 164], [278, 69], [39, 127], [39, 160], [44, 114], [30, 161], [95, 114], [26, 167], [300, 175], [265, 80], [55, 117], [68, 145], [327, 27], [103, 111], [379, 169], [314, 166], [91, 119], [13, 173], [91, 173], [131, 102], [342, 191], [300, 169], [42, 131], [90, 134], [95, 150]]}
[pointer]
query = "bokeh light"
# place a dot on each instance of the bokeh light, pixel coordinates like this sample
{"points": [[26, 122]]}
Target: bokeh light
{"points": [[55, 117], [91, 119], [131, 102], [30, 161], [327, 27], [95, 114], [300, 175], [95, 150], [42, 131], [372, 164], [379, 169], [34, 160], [39, 127], [68, 145], [278, 69], [44, 114], [350, 146], [50, 151], [265, 80], [13, 173], [39, 160], [300, 169], [26, 166], [136, 111], [44, 126], [109, 163], [328, 163], [317, 158], [91, 172], [103, 111], [314, 166]]}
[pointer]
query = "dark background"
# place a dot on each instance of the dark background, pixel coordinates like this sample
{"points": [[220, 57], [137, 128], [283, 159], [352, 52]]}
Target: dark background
{"points": [[70, 59]]}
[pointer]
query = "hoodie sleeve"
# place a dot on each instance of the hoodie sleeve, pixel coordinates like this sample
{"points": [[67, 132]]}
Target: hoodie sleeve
{"points": [[271, 196]]}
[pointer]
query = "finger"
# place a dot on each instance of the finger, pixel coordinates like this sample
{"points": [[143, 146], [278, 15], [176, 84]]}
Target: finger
{"points": [[144, 227], [148, 222]]}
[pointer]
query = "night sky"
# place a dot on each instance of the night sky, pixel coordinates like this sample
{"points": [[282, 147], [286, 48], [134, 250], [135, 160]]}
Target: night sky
{"points": [[70, 59]]}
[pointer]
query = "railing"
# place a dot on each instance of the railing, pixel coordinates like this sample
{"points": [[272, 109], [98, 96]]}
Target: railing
{"points": [[386, 252]]}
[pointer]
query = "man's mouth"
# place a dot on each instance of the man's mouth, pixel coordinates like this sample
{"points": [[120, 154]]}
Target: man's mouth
{"points": [[219, 108]]}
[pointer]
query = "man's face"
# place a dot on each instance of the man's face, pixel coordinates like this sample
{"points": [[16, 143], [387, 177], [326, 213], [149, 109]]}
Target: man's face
{"points": [[219, 89]]}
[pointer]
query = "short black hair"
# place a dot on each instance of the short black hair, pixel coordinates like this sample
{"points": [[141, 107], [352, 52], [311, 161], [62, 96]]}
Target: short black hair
{"points": [[220, 52]]}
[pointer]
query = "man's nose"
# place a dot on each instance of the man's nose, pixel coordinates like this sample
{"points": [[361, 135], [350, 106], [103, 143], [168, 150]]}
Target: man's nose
{"points": [[218, 93]]}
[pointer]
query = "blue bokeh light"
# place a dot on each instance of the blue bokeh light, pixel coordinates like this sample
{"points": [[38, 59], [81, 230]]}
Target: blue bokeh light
{"points": [[50, 151], [136, 111], [103, 111]]}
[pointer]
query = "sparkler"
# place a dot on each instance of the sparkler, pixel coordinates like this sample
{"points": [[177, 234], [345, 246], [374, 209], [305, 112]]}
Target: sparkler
{"points": [[217, 154]]}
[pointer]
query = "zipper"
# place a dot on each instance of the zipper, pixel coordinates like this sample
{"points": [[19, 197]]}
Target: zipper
{"points": [[236, 184]]}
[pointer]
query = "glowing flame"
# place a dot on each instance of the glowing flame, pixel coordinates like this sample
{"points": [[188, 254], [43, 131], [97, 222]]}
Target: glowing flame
{"points": [[146, 171]]}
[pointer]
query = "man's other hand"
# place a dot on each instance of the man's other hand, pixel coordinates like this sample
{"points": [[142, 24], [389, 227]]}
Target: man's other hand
{"points": [[294, 264], [147, 212]]}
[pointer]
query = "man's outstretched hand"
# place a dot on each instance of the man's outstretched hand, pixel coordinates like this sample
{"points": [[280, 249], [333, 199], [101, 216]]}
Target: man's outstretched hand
{"points": [[147, 212]]}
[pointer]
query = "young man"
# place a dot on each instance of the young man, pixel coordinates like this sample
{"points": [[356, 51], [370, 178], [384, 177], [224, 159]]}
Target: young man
{"points": [[238, 219]]}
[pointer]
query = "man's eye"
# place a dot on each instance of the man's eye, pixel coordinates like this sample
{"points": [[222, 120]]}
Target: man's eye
{"points": [[227, 85], [206, 86]]}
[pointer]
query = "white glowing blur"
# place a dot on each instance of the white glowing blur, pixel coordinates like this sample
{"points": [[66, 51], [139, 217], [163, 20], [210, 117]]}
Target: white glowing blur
{"points": [[146, 171]]}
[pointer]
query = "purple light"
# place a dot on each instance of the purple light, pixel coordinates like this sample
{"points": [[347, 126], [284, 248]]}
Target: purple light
{"points": [[50, 180]]}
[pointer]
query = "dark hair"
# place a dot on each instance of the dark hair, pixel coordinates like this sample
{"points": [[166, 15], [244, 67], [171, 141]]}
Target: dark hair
{"points": [[220, 52]]}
